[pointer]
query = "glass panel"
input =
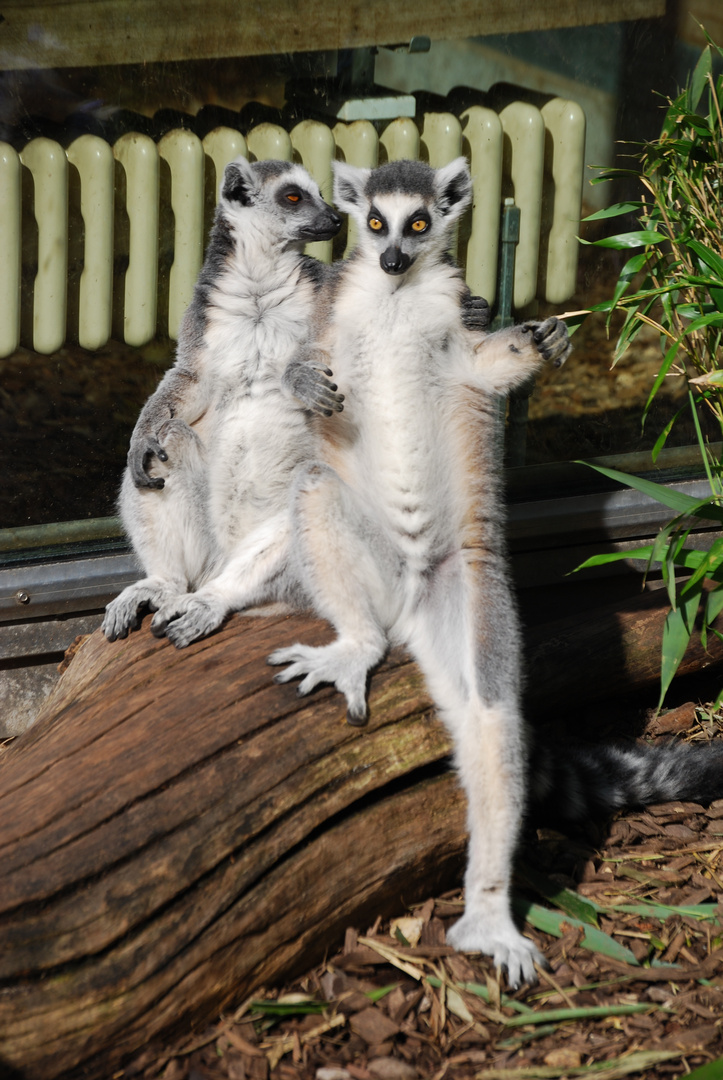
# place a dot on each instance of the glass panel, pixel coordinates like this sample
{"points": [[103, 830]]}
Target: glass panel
{"points": [[67, 408]]}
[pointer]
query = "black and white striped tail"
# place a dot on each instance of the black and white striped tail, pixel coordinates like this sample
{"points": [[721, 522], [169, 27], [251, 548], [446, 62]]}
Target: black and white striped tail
{"points": [[589, 780]]}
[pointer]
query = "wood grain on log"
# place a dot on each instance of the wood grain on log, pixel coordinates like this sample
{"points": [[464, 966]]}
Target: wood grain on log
{"points": [[177, 830]]}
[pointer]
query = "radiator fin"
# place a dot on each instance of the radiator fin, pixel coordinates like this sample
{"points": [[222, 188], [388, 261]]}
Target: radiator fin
{"points": [[99, 241]]}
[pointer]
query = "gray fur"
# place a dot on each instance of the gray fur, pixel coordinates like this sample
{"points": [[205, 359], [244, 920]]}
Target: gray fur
{"points": [[406, 177], [577, 781]]}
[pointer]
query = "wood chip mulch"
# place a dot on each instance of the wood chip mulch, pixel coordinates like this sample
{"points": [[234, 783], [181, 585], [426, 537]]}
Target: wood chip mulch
{"points": [[629, 918]]}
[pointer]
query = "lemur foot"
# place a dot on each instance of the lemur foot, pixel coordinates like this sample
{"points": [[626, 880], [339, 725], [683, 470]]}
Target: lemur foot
{"points": [[188, 618], [343, 664], [126, 611], [508, 948], [552, 340]]}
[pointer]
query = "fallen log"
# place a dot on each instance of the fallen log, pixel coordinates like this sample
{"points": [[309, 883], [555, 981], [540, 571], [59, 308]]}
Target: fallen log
{"points": [[177, 830]]}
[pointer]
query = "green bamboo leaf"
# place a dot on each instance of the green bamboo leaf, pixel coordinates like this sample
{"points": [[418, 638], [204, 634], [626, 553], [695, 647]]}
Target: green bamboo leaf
{"points": [[699, 79], [565, 899], [713, 605], [715, 318], [712, 1070], [661, 376], [621, 241], [664, 911], [627, 274], [482, 992], [381, 992], [676, 635], [630, 329], [615, 556], [552, 922], [589, 1012], [521, 1037], [676, 500], [692, 311], [710, 258], [711, 561], [663, 437], [615, 210], [687, 557], [639, 1061]]}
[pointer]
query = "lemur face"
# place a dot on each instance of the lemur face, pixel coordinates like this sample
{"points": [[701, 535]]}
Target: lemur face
{"points": [[287, 196], [404, 210]]}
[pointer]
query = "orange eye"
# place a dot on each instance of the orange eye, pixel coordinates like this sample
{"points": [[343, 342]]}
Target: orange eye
{"points": [[420, 224], [293, 197], [375, 223]]}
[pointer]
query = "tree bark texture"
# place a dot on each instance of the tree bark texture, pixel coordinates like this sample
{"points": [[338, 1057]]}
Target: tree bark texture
{"points": [[176, 830]]}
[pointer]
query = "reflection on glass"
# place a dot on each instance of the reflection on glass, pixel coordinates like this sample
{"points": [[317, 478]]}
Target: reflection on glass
{"points": [[66, 417]]}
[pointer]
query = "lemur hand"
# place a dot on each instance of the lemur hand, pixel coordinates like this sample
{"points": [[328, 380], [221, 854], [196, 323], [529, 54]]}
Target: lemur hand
{"points": [[310, 383], [142, 450], [476, 314], [552, 340]]}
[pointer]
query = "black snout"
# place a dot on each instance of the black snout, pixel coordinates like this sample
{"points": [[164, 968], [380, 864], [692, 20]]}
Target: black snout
{"points": [[394, 261], [325, 227]]}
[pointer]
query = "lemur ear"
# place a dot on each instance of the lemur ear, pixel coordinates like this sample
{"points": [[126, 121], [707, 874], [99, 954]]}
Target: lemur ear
{"points": [[349, 184], [240, 184], [453, 185]]}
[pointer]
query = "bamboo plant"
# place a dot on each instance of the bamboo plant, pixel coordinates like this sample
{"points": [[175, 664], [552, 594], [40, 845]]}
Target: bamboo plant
{"points": [[675, 284]]}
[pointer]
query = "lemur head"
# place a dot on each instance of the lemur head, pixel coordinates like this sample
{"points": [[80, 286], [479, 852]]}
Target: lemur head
{"points": [[284, 193], [405, 209]]}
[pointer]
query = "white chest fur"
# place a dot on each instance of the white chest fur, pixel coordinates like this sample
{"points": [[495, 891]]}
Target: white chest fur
{"points": [[394, 346]]}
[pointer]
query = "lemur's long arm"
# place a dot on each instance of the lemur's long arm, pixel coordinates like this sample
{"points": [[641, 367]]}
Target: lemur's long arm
{"points": [[507, 358]]}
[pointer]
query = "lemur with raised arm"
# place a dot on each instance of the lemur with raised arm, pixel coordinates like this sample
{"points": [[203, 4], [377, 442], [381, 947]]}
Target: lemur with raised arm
{"points": [[215, 447], [396, 534]]}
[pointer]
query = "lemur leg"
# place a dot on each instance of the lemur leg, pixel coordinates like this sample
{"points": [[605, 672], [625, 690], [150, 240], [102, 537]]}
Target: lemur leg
{"points": [[168, 528], [463, 634], [349, 570], [256, 573]]}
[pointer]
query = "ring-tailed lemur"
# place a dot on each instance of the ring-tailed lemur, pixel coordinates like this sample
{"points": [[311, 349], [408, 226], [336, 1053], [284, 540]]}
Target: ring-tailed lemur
{"points": [[215, 447], [397, 535]]}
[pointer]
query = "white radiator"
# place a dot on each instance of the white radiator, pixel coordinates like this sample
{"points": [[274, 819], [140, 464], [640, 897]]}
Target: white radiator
{"points": [[99, 241]]}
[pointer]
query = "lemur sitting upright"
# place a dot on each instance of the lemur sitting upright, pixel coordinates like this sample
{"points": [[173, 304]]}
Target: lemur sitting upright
{"points": [[215, 447]]}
